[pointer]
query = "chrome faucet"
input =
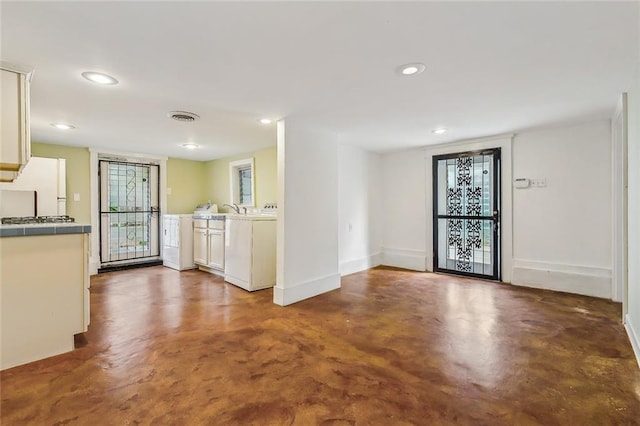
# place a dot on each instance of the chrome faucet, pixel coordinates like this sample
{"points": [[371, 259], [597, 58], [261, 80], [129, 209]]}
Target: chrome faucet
{"points": [[234, 207]]}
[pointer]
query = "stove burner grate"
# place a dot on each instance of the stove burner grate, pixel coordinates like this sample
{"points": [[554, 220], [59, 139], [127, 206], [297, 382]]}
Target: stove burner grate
{"points": [[25, 220]]}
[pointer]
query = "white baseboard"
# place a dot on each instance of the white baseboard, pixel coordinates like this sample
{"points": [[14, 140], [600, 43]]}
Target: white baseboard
{"points": [[634, 337], [585, 280], [93, 267], [284, 296], [408, 259], [362, 264]]}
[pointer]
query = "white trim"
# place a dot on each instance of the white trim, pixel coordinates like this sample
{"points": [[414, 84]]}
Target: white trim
{"points": [[94, 253], [131, 156], [620, 184], [289, 295], [357, 265], [634, 337], [577, 279], [505, 143], [18, 69], [562, 267], [415, 260], [482, 143], [94, 155]]}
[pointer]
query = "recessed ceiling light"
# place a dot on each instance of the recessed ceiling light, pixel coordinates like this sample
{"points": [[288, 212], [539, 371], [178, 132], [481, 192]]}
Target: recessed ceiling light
{"points": [[265, 121], [63, 126], [439, 131], [100, 78], [411, 69], [190, 145]]}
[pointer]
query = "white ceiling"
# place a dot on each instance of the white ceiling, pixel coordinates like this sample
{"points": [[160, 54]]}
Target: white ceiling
{"points": [[491, 68]]}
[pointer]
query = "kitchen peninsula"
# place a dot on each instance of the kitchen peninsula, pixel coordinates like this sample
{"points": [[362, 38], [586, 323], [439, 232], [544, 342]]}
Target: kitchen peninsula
{"points": [[44, 289]]}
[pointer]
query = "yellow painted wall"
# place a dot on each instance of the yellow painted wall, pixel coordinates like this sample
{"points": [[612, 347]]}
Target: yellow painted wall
{"points": [[266, 173], [191, 182], [78, 176], [186, 179]]}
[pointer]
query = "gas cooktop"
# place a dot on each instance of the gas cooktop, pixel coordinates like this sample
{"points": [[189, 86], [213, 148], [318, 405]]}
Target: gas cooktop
{"points": [[25, 220]]}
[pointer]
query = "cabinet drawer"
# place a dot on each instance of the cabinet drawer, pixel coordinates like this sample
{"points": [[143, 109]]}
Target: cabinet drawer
{"points": [[216, 224], [199, 223]]}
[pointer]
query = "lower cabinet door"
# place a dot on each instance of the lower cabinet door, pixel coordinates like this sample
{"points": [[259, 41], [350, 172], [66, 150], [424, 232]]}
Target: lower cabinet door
{"points": [[200, 246], [216, 249]]}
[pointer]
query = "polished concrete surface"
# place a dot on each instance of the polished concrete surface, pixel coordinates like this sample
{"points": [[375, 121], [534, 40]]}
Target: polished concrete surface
{"points": [[389, 348]]}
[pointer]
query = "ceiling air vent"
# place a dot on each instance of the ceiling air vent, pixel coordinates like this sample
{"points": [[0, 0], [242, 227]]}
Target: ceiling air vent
{"points": [[183, 116]]}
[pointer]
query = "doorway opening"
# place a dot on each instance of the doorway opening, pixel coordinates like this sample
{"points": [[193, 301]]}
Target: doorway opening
{"points": [[466, 213], [129, 214]]}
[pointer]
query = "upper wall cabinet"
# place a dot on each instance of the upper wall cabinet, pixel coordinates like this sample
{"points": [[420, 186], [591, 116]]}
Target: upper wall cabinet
{"points": [[15, 142]]}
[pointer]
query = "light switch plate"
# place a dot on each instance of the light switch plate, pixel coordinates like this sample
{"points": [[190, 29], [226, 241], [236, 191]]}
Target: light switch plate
{"points": [[76, 196]]}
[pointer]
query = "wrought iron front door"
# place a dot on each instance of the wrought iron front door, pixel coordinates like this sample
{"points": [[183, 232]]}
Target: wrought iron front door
{"points": [[129, 214], [466, 213]]}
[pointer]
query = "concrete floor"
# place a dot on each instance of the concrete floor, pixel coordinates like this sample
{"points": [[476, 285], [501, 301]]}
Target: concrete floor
{"points": [[389, 348]]}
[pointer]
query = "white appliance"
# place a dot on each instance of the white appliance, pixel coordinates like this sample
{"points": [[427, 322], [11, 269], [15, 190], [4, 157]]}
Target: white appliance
{"points": [[250, 251], [177, 241], [47, 177], [18, 203], [205, 209]]}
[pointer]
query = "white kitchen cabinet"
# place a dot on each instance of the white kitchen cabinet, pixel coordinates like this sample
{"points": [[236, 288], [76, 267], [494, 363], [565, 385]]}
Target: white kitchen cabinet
{"points": [[200, 241], [42, 306], [15, 142], [250, 252], [208, 244], [216, 249]]}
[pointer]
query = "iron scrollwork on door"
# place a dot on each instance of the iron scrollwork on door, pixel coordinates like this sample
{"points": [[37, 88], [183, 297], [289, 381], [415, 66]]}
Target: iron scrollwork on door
{"points": [[464, 235], [466, 191]]}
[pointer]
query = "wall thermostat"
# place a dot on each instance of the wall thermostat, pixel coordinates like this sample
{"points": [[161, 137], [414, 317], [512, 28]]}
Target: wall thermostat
{"points": [[521, 183]]}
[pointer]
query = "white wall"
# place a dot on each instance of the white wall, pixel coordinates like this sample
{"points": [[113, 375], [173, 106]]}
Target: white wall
{"points": [[359, 208], [407, 234], [562, 232], [632, 320], [404, 213], [558, 237], [307, 213]]}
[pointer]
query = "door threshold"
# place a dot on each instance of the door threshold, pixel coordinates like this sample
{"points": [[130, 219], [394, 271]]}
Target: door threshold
{"points": [[111, 268], [469, 276]]}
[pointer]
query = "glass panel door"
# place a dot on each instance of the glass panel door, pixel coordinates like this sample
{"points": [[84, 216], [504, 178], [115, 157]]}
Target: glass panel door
{"points": [[466, 216], [129, 214]]}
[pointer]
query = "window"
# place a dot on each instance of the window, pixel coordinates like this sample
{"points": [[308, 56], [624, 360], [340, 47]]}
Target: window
{"points": [[245, 182], [241, 182]]}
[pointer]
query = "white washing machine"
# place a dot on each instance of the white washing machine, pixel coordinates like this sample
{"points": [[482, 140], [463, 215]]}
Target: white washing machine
{"points": [[177, 241]]}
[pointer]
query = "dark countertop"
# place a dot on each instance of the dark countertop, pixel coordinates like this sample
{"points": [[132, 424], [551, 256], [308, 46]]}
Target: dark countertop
{"points": [[44, 229]]}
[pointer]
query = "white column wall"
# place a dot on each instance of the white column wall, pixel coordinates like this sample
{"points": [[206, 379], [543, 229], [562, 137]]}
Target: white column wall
{"points": [[307, 237], [632, 319], [359, 208]]}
